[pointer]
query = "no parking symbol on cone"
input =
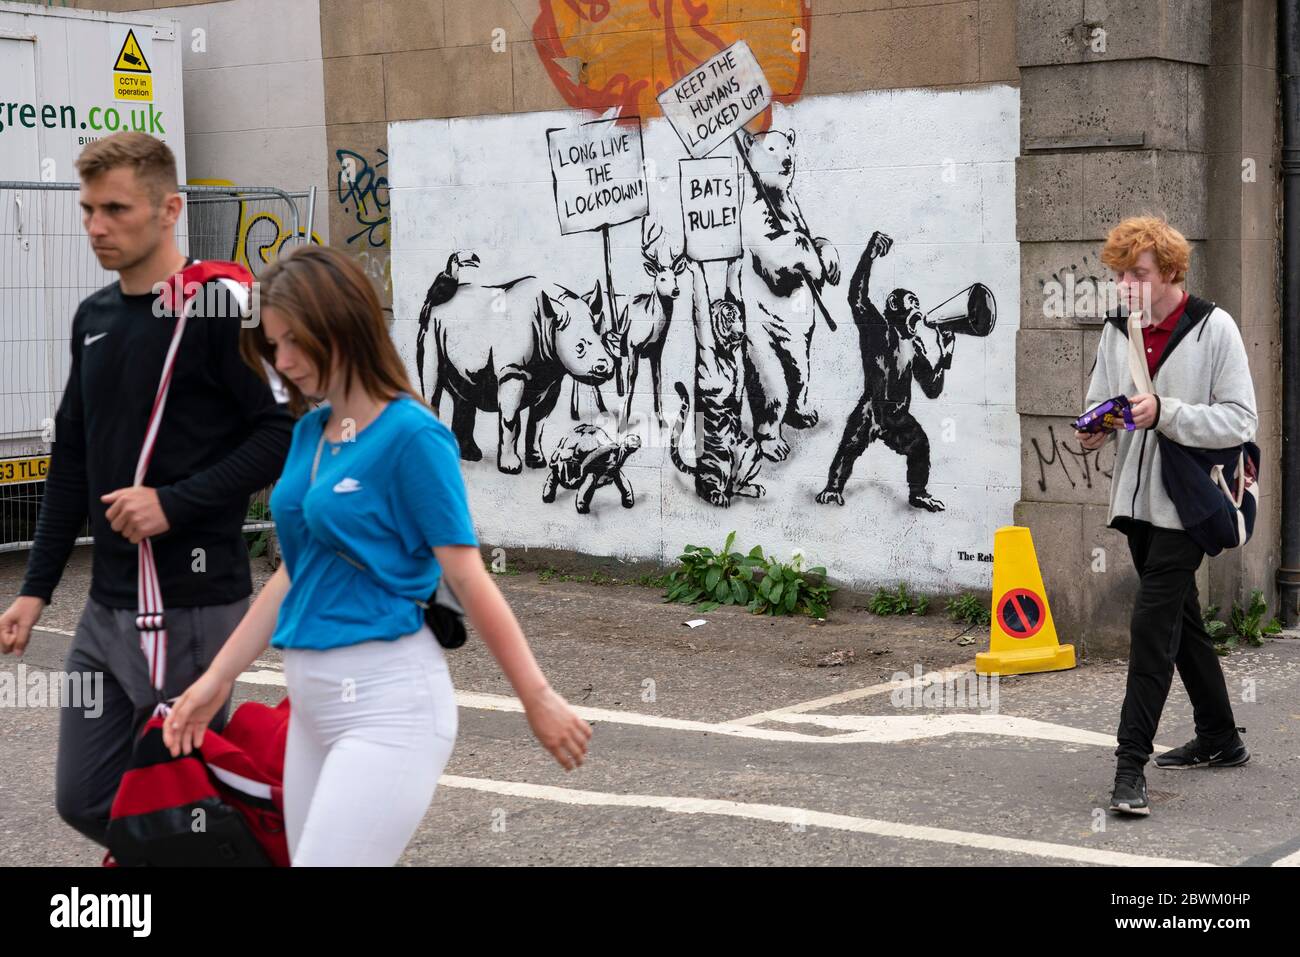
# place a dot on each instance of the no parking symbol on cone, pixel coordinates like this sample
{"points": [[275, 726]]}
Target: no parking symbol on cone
{"points": [[1022, 636]]}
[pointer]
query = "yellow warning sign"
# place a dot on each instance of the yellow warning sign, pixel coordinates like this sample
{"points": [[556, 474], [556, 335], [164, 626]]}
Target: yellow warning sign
{"points": [[131, 86], [132, 78], [1022, 637], [130, 59]]}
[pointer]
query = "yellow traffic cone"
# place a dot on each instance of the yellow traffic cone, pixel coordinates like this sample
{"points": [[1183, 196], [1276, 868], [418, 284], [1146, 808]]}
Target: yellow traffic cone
{"points": [[1022, 637]]}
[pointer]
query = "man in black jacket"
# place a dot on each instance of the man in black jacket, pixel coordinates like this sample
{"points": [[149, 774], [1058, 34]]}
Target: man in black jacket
{"points": [[223, 436]]}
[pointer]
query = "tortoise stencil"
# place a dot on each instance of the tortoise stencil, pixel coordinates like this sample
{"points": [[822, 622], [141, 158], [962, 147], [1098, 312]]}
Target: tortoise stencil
{"points": [[588, 459]]}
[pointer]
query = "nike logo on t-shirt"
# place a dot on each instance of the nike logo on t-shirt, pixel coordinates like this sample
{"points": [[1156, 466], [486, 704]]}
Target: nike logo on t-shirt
{"points": [[348, 485], [89, 338]]}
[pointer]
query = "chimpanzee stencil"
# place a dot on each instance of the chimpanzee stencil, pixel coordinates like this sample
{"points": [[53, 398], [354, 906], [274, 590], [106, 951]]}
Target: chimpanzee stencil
{"points": [[892, 355]]}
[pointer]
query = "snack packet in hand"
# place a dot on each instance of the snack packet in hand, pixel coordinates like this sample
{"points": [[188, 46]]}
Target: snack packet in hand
{"points": [[1113, 414]]}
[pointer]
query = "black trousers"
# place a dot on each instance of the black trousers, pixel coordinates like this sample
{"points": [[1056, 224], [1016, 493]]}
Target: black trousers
{"points": [[1167, 632]]}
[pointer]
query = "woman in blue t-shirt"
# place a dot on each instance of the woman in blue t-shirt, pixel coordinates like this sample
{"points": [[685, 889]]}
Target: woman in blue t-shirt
{"points": [[370, 511]]}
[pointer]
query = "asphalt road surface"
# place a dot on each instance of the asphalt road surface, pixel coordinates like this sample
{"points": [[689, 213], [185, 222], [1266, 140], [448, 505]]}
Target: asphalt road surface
{"points": [[727, 744]]}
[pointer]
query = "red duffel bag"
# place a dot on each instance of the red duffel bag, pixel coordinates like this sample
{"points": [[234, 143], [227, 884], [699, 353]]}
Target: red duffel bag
{"points": [[222, 805]]}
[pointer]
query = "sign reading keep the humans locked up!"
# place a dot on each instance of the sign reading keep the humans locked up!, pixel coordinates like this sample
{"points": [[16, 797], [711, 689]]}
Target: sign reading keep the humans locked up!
{"points": [[711, 103], [599, 175], [711, 208]]}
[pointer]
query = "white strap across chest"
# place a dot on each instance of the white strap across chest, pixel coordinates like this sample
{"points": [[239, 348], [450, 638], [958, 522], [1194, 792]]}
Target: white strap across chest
{"points": [[150, 619]]}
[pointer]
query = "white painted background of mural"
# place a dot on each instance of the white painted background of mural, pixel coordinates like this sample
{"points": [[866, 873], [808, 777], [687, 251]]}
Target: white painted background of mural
{"points": [[865, 162]]}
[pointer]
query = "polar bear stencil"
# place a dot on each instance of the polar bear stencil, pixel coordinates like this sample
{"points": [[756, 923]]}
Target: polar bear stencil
{"points": [[783, 257]]}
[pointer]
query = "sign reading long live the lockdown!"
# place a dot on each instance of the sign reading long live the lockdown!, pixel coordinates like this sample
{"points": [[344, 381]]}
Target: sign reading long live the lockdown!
{"points": [[599, 174], [711, 208], [715, 100]]}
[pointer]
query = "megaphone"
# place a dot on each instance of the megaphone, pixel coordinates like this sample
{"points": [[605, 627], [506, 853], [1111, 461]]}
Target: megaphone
{"points": [[978, 318]]}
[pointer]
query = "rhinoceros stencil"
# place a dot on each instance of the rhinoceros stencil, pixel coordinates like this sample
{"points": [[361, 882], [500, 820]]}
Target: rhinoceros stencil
{"points": [[506, 349]]}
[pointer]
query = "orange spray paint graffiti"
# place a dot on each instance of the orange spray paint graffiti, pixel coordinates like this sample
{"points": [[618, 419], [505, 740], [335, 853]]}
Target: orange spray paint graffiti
{"points": [[623, 53]]}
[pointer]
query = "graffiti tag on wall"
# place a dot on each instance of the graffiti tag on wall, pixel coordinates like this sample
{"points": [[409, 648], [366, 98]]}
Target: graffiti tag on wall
{"points": [[1077, 465], [361, 189], [238, 230]]}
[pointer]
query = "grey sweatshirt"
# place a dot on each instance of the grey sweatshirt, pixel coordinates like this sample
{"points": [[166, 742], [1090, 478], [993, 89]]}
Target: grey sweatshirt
{"points": [[1206, 401]]}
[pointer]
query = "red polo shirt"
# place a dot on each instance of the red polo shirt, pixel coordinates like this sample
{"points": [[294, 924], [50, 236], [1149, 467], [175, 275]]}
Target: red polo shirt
{"points": [[1156, 338]]}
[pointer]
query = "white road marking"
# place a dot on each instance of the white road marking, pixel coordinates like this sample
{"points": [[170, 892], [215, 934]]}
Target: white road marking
{"points": [[263, 678], [1291, 860], [931, 725], [879, 729], [55, 631], [858, 729], [782, 814], [884, 688]]}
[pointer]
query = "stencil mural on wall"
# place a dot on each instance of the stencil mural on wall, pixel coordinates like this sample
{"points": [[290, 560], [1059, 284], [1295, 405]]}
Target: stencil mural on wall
{"points": [[755, 342], [516, 363], [728, 460], [445, 285], [763, 325], [588, 459], [893, 354], [597, 175], [695, 325], [646, 326], [789, 266]]}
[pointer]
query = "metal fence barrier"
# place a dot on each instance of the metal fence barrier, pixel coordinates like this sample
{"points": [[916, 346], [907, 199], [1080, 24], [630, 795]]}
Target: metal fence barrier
{"points": [[47, 268]]}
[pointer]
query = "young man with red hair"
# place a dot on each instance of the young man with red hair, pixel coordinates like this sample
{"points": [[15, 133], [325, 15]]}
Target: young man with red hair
{"points": [[1204, 398]]}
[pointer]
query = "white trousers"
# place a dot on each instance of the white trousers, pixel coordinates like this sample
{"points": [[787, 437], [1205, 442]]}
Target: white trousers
{"points": [[371, 727]]}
